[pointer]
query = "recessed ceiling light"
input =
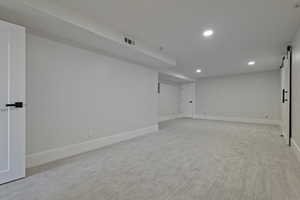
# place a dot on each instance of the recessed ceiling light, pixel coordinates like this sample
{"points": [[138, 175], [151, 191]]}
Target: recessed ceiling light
{"points": [[251, 63], [208, 33], [198, 70]]}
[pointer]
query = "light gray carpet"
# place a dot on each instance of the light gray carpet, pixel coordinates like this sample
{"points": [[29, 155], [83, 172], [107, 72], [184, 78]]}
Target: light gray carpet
{"points": [[186, 160]]}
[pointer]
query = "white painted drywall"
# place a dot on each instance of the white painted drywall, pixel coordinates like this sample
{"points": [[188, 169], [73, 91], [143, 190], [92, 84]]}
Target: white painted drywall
{"points": [[169, 99], [74, 95], [296, 90], [247, 96]]}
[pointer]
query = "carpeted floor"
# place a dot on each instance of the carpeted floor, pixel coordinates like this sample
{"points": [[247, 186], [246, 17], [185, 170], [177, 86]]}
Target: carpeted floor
{"points": [[186, 160]]}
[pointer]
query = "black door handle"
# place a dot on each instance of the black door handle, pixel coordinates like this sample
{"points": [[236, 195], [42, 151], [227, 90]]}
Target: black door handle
{"points": [[16, 105]]}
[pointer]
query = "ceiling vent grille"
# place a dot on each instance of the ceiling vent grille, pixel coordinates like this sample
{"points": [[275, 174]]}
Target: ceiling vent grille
{"points": [[129, 40]]}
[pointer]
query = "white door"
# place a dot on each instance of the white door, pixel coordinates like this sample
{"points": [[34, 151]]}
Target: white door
{"points": [[285, 106], [12, 90], [187, 105]]}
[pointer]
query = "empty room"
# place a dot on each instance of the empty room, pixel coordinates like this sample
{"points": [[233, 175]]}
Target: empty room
{"points": [[149, 100]]}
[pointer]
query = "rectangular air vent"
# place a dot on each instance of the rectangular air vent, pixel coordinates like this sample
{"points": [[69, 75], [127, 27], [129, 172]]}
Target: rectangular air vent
{"points": [[129, 40]]}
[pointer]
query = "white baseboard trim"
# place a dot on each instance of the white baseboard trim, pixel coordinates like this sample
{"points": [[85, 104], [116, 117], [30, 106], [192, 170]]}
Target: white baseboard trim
{"points": [[40, 158], [296, 149], [238, 119], [169, 117]]}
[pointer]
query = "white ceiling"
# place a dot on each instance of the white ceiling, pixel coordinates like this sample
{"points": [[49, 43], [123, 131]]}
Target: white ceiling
{"points": [[244, 30], [56, 23]]}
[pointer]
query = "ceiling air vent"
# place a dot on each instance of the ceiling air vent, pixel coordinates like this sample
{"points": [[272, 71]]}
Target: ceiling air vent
{"points": [[129, 40]]}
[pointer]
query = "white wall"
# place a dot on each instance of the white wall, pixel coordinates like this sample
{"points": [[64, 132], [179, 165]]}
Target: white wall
{"points": [[169, 99], [74, 95], [296, 90], [247, 96]]}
